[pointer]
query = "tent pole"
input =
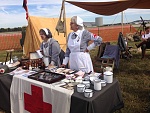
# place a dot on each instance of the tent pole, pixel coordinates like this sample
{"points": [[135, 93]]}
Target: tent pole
{"points": [[65, 21], [122, 21]]}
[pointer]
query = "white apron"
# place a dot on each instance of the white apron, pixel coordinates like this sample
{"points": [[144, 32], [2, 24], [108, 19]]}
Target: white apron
{"points": [[79, 60], [46, 53]]}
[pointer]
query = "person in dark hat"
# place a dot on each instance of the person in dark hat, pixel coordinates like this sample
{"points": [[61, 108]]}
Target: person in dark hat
{"points": [[145, 42]]}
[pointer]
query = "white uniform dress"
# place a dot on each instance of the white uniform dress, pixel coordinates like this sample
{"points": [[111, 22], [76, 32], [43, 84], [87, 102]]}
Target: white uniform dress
{"points": [[78, 60], [146, 36], [46, 53]]}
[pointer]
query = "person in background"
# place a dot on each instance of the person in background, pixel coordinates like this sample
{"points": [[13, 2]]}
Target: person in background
{"points": [[77, 52], [49, 48], [23, 36], [145, 42]]}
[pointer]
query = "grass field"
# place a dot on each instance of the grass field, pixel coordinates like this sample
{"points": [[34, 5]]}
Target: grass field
{"points": [[134, 78]]}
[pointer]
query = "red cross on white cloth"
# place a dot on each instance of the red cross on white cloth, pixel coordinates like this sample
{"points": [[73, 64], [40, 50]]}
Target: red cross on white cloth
{"points": [[31, 96], [34, 103]]}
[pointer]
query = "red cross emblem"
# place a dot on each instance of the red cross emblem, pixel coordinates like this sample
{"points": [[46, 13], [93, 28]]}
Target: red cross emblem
{"points": [[94, 35], [34, 103]]}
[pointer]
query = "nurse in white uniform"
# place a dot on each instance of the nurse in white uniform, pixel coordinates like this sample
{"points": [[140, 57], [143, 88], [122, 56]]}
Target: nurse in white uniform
{"points": [[77, 52]]}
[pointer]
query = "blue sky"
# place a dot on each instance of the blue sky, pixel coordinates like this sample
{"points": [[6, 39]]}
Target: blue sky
{"points": [[12, 13]]}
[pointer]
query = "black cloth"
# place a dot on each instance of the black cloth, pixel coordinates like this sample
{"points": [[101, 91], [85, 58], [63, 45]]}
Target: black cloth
{"points": [[121, 43], [108, 100], [5, 84], [148, 44], [125, 50]]}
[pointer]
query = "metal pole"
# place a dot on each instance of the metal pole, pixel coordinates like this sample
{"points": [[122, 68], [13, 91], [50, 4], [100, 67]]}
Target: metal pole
{"points": [[64, 15], [122, 21], [98, 31]]}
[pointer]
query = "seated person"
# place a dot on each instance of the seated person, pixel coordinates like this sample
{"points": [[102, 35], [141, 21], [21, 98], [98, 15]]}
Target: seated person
{"points": [[145, 42], [50, 48], [137, 36]]}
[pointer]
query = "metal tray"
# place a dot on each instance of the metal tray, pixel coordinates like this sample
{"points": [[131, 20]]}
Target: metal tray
{"points": [[47, 77]]}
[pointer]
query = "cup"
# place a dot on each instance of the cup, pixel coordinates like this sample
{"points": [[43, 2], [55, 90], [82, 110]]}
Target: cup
{"points": [[81, 88], [15, 59], [92, 78], [88, 93], [108, 76], [103, 83], [97, 84]]}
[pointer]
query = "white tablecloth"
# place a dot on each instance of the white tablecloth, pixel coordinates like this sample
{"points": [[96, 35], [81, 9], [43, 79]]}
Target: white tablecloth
{"points": [[25, 99]]}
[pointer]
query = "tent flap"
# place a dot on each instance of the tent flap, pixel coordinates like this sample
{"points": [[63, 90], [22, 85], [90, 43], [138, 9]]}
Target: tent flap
{"points": [[113, 7]]}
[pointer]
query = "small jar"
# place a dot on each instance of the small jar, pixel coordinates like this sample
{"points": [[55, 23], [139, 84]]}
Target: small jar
{"points": [[103, 83], [108, 76], [88, 93], [81, 88], [97, 84]]}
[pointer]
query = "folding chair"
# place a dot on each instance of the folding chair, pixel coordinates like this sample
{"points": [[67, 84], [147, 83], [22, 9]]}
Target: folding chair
{"points": [[101, 49], [110, 58], [9, 54], [102, 62], [112, 55]]}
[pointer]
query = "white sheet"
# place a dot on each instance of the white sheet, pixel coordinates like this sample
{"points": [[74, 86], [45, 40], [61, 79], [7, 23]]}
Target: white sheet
{"points": [[60, 98]]}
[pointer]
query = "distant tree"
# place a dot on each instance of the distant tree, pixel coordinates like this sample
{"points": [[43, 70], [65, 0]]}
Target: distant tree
{"points": [[11, 29], [15, 29], [2, 30], [8, 29]]}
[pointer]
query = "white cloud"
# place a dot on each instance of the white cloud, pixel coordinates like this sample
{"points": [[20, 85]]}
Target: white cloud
{"points": [[13, 20], [3, 10], [137, 11], [29, 2]]}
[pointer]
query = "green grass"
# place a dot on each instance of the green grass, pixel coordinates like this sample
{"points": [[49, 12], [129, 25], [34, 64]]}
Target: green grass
{"points": [[134, 79], [3, 55], [133, 76]]}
